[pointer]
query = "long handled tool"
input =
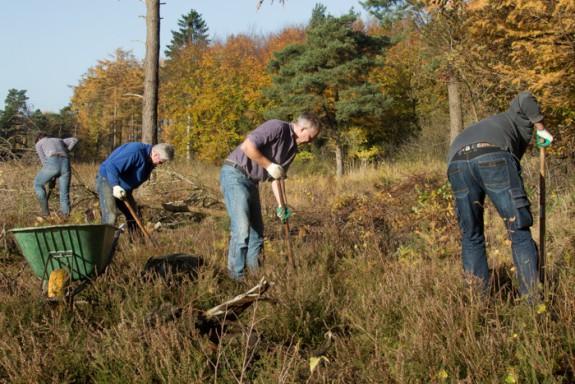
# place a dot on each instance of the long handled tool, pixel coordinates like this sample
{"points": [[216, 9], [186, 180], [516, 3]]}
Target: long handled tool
{"points": [[139, 222], [541, 259], [283, 202]]}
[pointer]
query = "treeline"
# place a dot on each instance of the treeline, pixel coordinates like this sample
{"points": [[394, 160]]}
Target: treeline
{"points": [[19, 125], [419, 68], [213, 93]]}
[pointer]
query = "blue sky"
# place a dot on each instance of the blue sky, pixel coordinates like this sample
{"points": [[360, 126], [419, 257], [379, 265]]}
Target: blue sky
{"points": [[47, 45]]}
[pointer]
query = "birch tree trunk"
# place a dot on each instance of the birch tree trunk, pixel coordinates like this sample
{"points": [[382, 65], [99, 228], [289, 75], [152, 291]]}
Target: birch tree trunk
{"points": [[188, 140], [338, 160]]}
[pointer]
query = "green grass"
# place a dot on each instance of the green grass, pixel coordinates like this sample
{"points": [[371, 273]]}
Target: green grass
{"points": [[379, 271]]}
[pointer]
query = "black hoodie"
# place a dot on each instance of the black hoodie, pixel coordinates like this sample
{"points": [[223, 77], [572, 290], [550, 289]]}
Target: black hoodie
{"points": [[510, 130]]}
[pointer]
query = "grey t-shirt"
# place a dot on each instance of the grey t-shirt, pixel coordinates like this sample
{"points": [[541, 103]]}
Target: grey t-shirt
{"points": [[53, 146], [510, 130], [275, 140]]}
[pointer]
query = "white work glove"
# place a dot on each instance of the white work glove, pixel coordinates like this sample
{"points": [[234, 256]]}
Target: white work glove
{"points": [[118, 192], [543, 138], [275, 170]]}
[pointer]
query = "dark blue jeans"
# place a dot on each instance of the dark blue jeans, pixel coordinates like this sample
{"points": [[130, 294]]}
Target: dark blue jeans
{"points": [[497, 175], [242, 200], [54, 167]]}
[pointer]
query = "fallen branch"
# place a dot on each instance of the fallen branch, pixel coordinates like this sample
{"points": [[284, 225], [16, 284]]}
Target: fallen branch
{"points": [[213, 321], [238, 304], [181, 177], [181, 206]]}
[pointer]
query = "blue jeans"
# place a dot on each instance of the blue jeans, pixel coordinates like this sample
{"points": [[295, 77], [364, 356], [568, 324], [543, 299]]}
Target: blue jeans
{"points": [[242, 199], [54, 167], [110, 207], [497, 175]]}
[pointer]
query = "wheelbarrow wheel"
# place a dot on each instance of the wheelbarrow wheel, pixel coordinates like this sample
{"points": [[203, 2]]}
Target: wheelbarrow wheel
{"points": [[57, 283]]}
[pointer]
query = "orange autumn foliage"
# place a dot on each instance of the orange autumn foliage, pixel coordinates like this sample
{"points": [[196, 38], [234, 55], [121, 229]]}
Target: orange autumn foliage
{"points": [[211, 96]]}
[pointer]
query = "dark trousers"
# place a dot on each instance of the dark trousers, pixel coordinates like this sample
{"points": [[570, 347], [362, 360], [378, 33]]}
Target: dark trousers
{"points": [[497, 175]]}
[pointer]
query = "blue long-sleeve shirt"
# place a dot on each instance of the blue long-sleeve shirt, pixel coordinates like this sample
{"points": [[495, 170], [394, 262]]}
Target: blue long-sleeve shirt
{"points": [[128, 166]]}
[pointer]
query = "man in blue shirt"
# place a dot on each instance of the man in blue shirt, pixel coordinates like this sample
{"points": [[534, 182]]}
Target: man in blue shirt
{"points": [[265, 154], [54, 156], [127, 167], [484, 161]]}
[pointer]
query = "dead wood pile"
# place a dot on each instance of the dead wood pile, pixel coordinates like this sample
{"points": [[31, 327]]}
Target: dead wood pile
{"points": [[183, 201]]}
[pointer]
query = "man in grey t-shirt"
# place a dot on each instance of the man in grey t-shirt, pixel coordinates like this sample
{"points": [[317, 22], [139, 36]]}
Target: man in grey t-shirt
{"points": [[264, 155], [484, 160], [53, 154]]}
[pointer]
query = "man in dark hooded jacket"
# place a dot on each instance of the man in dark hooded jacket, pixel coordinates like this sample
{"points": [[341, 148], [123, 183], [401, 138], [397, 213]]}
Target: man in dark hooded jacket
{"points": [[484, 160]]}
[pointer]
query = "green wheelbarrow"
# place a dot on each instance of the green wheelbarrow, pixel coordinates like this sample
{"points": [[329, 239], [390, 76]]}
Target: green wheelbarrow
{"points": [[75, 253]]}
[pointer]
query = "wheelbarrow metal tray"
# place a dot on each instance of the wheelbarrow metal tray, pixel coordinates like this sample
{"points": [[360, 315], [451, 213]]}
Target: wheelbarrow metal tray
{"points": [[84, 250]]}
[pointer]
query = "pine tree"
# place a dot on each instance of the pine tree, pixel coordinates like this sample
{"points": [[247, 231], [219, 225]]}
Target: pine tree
{"points": [[193, 30], [15, 111], [329, 74]]}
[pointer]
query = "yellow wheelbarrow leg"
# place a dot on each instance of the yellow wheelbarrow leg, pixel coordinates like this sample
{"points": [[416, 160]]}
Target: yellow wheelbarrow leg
{"points": [[57, 283]]}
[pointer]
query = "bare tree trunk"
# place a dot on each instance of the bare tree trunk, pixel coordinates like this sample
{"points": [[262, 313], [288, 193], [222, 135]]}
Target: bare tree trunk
{"points": [[114, 122], [338, 159], [189, 140], [455, 111], [151, 64]]}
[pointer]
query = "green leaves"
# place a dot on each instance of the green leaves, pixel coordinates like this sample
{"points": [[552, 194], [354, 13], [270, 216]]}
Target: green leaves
{"points": [[332, 75], [193, 30]]}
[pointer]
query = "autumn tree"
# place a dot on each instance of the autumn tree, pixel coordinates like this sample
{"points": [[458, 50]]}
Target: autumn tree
{"points": [[108, 104], [440, 23], [525, 45], [213, 96], [277, 41], [193, 31], [329, 74], [181, 85], [184, 57]]}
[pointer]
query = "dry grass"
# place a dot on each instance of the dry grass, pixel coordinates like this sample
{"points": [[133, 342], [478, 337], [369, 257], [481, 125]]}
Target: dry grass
{"points": [[379, 292]]}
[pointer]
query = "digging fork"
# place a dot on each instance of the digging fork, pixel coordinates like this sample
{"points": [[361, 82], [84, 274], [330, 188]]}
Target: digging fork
{"points": [[541, 259], [139, 222], [283, 200]]}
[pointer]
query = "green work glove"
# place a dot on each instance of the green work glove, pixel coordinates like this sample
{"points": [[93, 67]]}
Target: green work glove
{"points": [[543, 138], [283, 213]]}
